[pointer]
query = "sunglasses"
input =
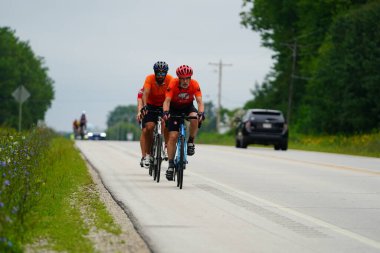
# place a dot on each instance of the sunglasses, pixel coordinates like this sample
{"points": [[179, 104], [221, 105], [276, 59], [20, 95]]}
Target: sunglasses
{"points": [[160, 74]]}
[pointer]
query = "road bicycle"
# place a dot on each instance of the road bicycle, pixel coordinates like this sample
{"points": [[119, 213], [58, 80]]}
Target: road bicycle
{"points": [[156, 149], [180, 159]]}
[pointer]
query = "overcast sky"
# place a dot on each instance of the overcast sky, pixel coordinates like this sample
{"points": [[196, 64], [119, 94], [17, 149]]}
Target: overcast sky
{"points": [[99, 52]]}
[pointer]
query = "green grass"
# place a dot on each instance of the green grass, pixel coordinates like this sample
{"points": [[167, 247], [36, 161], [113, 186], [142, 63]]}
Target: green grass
{"points": [[216, 139], [68, 189], [360, 144]]}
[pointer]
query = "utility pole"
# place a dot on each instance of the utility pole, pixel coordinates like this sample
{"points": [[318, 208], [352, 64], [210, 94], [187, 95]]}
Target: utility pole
{"points": [[292, 47], [220, 65], [294, 56]]}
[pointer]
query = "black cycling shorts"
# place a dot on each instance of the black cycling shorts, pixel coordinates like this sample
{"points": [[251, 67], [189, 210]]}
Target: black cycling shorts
{"points": [[152, 116], [173, 123]]}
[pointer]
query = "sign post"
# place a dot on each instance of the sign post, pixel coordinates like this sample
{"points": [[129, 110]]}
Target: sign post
{"points": [[21, 95]]}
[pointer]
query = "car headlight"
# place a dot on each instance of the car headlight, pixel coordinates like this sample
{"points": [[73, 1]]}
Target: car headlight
{"points": [[90, 134], [103, 135]]}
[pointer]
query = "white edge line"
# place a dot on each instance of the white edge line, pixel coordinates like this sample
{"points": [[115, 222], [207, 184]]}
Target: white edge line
{"points": [[316, 221]]}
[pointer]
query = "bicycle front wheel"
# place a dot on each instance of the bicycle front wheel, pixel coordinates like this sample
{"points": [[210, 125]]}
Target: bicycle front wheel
{"points": [[181, 163], [158, 158]]}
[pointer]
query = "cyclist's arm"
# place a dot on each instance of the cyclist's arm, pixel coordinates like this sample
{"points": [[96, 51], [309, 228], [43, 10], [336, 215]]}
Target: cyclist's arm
{"points": [[139, 107], [166, 104], [201, 107], [139, 104]]}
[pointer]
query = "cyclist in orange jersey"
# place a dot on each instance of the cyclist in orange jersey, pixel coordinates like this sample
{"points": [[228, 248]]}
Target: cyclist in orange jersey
{"points": [[153, 98], [179, 99]]}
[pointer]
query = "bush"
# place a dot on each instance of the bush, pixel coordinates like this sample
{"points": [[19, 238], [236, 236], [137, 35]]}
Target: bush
{"points": [[20, 182]]}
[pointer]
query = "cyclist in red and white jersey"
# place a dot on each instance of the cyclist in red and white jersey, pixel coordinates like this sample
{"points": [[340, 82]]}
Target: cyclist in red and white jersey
{"points": [[139, 119]]}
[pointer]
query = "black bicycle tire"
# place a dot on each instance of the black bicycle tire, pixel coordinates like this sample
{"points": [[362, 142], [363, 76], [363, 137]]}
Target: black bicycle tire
{"points": [[151, 164], [154, 146], [181, 162], [158, 157]]}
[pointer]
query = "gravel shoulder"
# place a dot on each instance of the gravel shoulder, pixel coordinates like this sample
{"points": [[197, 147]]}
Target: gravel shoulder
{"points": [[129, 240]]}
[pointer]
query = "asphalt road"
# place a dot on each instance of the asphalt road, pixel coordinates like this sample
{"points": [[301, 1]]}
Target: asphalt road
{"points": [[253, 200]]}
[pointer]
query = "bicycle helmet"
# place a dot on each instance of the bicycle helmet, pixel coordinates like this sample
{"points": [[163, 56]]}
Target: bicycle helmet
{"points": [[161, 66], [184, 71]]}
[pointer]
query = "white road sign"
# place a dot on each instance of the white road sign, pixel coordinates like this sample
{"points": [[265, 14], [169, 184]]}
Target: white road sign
{"points": [[21, 94]]}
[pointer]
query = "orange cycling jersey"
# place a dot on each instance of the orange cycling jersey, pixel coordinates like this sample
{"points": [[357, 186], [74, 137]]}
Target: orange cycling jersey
{"points": [[157, 92], [180, 97]]}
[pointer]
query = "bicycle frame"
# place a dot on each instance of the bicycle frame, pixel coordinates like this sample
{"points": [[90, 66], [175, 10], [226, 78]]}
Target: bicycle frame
{"points": [[182, 132], [156, 150]]}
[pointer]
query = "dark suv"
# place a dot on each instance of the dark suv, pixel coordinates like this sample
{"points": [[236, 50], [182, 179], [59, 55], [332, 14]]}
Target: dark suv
{"points": [[262, 126]]}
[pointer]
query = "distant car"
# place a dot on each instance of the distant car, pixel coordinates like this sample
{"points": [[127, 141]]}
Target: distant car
{"points": [[262, 126], [93, 135]]}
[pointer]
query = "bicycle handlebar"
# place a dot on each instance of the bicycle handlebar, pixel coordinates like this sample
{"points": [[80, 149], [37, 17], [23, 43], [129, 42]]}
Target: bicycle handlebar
{"points": [[154, 111], [183, 117]]}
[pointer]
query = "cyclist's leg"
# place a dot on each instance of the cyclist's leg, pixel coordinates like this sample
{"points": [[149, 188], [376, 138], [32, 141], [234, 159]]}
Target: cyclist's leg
{"points": [[148, 125], [193, 129], [165, 132], [173, 135], [149, 129], [142, 146]]}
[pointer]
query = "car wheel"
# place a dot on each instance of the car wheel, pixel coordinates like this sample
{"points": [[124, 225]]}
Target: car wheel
{"points": [[284, 145], [237, 143], [243, 143]]}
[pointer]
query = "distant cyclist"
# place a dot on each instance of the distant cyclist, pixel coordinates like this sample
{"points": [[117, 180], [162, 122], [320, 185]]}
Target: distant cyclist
{"points": [[139, 119], [179, 99], [76, 126], [83, 125], [83, 121], [153, 97]]}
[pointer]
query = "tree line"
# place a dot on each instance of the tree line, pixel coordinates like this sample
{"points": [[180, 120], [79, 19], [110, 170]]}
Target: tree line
{"points": [[326, 74], [20, 66]]}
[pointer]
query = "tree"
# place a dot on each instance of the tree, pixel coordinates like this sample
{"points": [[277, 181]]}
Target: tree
{"points": [[19, 66], [122, 114], [326, 61], [209, 125], [121, 121], [120, 130], [343, 94]]}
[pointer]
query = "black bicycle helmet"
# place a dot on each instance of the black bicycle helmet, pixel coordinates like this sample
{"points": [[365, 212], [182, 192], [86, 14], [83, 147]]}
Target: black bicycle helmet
{"points": [[161, 66]]}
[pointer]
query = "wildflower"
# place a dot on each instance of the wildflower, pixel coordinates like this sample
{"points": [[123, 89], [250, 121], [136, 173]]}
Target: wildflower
{"points": [[6, 182], [1, 204], [3, 164]]}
